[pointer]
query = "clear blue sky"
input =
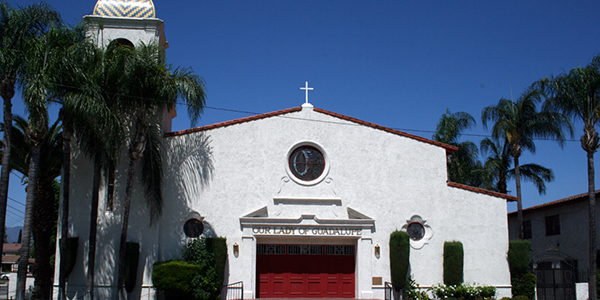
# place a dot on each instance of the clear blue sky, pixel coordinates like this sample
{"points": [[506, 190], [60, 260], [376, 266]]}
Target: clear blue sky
{"points": [[399, 64]]}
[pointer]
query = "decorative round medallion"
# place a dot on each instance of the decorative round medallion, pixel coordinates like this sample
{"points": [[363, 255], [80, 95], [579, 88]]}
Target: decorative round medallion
{"points": [[306, 163], [415, 231], [193, 228]]}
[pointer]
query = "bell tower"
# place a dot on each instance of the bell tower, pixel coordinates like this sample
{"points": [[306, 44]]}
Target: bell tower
{"points": [[128, 22]]}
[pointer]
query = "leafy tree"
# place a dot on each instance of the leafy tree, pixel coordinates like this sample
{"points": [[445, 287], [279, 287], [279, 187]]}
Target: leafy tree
{"points": [[577, 95], [519, 122], [152, 87], [464, 163], [17, 28]]}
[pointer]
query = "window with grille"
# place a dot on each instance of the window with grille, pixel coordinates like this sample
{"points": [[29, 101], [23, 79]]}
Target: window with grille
{"points": [[305, 249], [339, 250], [270, 249]]}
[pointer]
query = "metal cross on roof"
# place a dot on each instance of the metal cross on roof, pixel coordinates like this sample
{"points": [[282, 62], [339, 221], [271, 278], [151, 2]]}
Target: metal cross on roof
{"points": [[306, 88]]}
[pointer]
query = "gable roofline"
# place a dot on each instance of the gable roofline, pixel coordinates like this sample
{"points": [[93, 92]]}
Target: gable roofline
{"points": [[482, 191], [234, 122], [563, 201], [449, 149]]}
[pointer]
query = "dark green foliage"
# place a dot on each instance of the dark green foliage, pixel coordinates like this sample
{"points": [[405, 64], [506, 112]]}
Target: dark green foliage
{"points": [[521, 297], [132, 256], [524, 285], [175, 278], [453, 263], [72, 245], [463, 292], [218, 246], [399, 257], [518, 256], [208, 256]]}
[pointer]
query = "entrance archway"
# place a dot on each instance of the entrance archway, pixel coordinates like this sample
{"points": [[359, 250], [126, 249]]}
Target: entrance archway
{"points": [[556, 275]]}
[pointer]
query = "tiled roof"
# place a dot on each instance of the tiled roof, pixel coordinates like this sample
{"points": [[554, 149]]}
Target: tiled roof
{"points": [[11, 247], [449, 148], [559, 202], [233, 122], [481, 191]]}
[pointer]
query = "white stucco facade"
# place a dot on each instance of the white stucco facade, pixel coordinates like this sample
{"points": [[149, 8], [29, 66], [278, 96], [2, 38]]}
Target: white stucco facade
{"points": [[235, 177]]}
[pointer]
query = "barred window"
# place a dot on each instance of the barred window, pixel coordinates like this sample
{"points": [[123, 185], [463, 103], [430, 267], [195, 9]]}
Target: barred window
{"points": [[339, 250], [305, 249], [270, 249]]}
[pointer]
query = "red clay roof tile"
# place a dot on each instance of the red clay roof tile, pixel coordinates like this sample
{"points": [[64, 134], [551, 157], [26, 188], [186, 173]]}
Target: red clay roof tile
{"points": [[481, 191]]}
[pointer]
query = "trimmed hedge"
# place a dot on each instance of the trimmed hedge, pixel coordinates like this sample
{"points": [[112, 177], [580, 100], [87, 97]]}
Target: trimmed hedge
{"points": [[175, 278], [524, 285], [218, 246], [132, 256], [518, 256], [454, 257], [399, 257]]}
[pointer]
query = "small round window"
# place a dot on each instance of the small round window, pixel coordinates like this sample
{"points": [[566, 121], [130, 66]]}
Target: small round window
{"points": [[416, 231], [307, 163], [193, 228]]}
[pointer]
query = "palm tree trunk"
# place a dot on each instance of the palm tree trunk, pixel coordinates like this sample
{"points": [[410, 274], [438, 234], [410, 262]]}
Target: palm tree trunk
{"points": [[519, 200], [125, 224], [93, 230], [5, 173], [42, 230], [592, 226], [64, 230], [29, 205]]}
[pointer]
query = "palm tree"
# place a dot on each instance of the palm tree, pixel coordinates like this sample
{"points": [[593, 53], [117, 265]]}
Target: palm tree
{"points": [[45, 210], [497, 168], [44, 56], [520, 122], [152, 88], [576, 94], [88, 98], [463, 164], [17, 26]]}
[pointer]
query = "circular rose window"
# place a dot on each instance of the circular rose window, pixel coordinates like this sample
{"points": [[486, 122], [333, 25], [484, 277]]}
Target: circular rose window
{"points": [[415, 231], [193, 228], [306, 163]]}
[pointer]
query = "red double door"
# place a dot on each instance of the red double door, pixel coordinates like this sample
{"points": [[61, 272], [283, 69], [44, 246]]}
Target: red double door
{"points": [[318, 274]]}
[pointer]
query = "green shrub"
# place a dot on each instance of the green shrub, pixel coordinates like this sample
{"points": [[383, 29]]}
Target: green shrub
{"points": [[453, 263], [505, 298], [175, 278], [463, 292], [524, 285], [518, 256], [520, 298], [132, 256], [414, 292], [399, 257], [203, 252], [218, 246]]}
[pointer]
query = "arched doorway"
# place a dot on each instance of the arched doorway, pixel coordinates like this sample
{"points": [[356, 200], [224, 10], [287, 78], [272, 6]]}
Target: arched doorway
{"points": [[556, 275]]}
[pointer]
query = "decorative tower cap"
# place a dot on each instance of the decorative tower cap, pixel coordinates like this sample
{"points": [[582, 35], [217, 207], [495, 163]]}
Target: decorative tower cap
{"points": [[125, 8]]}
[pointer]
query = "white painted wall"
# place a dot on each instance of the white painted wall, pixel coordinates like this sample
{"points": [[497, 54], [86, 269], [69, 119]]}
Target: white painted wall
{"points": [[383, 176]]}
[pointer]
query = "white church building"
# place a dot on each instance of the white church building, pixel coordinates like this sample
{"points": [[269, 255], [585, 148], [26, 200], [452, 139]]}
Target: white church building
{"points": [[306, 198]]}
